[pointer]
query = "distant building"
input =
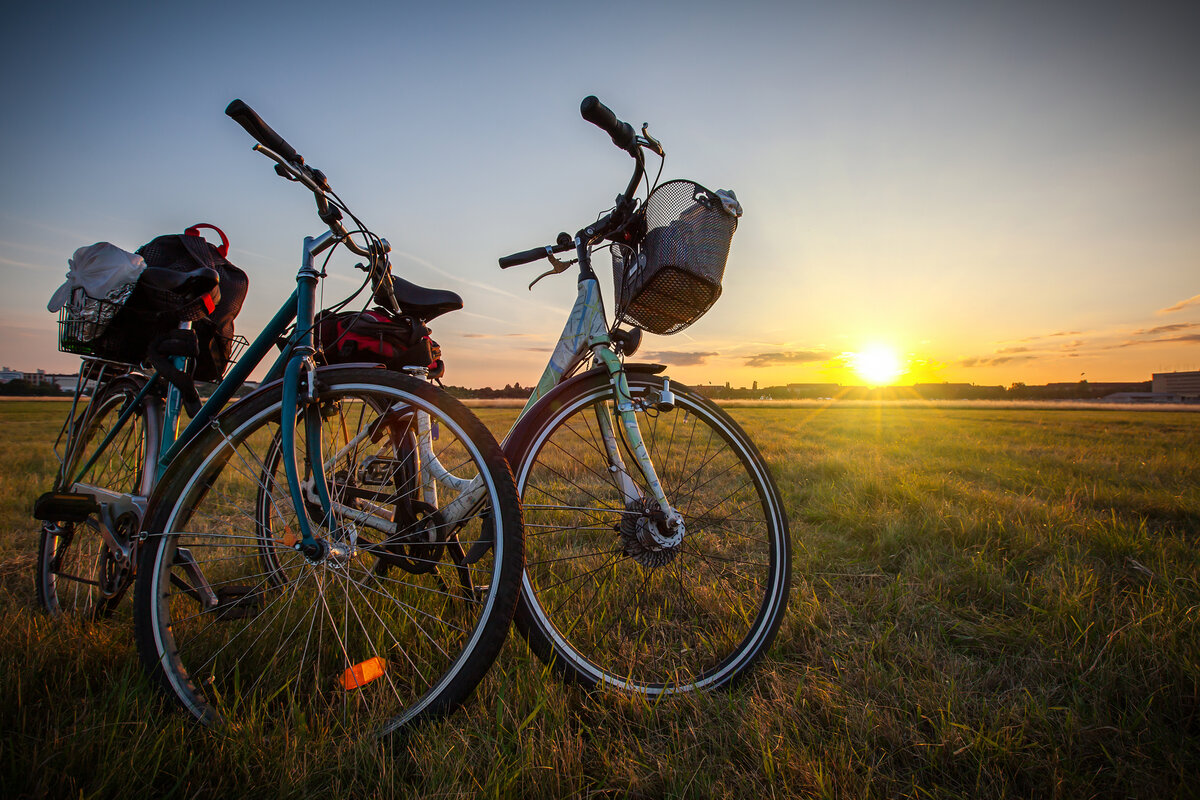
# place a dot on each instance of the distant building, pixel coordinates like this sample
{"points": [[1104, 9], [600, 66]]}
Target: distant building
{"points": [[1184, 384], [39, 378], [709, 389], [1142, 397]]}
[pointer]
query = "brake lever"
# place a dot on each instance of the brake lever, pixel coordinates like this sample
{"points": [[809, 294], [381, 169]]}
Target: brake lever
{"points": [[654, 144], [286, 174], [559, 267]]}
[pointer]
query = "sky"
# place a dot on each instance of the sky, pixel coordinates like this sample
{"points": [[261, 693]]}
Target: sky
{"points": [[969, 192]]}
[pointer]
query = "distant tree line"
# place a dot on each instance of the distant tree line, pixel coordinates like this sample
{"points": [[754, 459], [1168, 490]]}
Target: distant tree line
{"points": [[1081, 390], [510, 391], [23, 388]]}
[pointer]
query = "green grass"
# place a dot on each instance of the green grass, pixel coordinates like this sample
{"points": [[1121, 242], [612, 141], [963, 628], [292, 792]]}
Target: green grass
{"points": [[986, 602]]}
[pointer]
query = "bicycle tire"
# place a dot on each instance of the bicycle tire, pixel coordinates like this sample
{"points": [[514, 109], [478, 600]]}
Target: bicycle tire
{"points": [[234, 635], [76, 572], [601, 606]]}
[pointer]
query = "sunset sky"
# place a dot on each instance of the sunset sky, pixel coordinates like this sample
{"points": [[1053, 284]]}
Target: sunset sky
{"points": [[979, 192]]}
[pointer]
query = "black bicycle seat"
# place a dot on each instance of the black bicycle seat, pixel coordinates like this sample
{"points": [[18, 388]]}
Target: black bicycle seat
{"points": [[422, 303], [192, 282]]}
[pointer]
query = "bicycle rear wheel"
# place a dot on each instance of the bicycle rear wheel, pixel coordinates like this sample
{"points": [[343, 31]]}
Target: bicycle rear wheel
{"points": [[600, 600], [401, 615], [77, 572]]}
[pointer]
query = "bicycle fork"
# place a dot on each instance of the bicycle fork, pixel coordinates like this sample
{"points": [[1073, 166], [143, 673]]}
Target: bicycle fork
{"points": [[625, 408]]}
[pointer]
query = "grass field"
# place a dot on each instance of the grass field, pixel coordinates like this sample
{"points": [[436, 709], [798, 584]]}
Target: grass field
{"points": [[987, 602]]}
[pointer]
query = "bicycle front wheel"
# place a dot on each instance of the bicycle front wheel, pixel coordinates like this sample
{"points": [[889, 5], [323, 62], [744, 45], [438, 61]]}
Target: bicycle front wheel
{"points": [[399, 615], [601, 600], [77, 572]]}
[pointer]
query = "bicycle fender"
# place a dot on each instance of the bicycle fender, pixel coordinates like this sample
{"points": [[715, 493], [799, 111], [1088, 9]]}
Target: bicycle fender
{"points": [[517, 434]]}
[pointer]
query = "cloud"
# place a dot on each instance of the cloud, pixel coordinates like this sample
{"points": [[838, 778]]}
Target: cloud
{"points": [[788, 357], [1050, 336], [1182, 304], [1016, 349], [994, 361], [8, 262], [1175, 326], [1185, 337], [681, 359]]}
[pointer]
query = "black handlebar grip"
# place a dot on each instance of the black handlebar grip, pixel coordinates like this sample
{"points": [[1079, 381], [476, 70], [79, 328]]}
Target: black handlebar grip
{"points": [[603, 118], [244, 115], [524, 257]]}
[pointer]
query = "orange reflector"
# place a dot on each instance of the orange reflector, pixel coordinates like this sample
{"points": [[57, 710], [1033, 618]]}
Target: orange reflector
{"points": [[289, 538], [363, 673]]}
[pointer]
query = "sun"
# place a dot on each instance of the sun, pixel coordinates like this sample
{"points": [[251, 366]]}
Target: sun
{"points": [[878, 365]]}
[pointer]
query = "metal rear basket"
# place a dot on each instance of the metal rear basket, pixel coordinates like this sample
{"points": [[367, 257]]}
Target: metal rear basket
{"points": [[673, 275], [236, 345]]}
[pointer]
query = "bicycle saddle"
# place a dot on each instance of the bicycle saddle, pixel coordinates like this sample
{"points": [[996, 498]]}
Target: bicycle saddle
{"points": [[192, 282], [422, 303], [181, 295]]}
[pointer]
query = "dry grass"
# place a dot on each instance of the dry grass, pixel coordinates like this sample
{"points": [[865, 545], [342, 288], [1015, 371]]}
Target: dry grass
{"points": [[987, 601]]}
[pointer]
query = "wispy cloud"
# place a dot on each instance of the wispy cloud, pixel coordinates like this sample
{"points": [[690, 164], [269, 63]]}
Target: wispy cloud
{"points": [[678, 359], [22, 264], [1175, 326], [788, 357], [490, 288], [994, 361], [1044, 336], [498, 336], [1182, 304]]}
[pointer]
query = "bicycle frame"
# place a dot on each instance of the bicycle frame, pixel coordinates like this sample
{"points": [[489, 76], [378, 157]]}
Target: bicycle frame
{"points": [[586, 332]]}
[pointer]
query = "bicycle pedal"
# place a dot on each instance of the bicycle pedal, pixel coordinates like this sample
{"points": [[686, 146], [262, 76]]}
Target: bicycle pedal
{"points": [[237, 602], [65, 507]]}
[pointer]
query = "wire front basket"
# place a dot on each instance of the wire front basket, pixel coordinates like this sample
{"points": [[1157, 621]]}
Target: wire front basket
{"points": [[82, 323], [672, 276], [85, 328]]}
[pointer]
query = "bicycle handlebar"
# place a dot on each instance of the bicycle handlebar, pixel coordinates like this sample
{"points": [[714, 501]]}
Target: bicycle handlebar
{"points": [[292, 166], [600, 115], [244, 115], [526, 256], [603, 118]]}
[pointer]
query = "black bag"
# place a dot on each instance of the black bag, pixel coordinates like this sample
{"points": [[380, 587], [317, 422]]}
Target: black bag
{"points": [[394, 340], [186, 280]]}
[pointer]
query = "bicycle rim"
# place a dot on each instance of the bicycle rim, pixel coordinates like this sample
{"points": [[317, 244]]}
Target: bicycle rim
{"points": [[240, 626], [606, 604]]}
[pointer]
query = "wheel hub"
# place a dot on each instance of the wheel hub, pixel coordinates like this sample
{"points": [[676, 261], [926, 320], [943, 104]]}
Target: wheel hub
{"points": [[642, 529]]}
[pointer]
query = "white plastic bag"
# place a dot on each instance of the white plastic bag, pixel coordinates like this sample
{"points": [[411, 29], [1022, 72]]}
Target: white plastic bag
{"points": [[101, 270]]}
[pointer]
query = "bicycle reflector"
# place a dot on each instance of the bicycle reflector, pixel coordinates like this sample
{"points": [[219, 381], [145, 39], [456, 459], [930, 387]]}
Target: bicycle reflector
{"points": [[363, 673]]}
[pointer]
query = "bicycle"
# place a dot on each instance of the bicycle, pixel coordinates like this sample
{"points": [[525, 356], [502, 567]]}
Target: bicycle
{"points": [[658, 557], [304, 551]]}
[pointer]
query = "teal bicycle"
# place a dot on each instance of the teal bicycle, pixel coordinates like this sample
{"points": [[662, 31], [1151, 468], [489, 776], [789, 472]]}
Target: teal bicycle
{"points": [[344, 543]]}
